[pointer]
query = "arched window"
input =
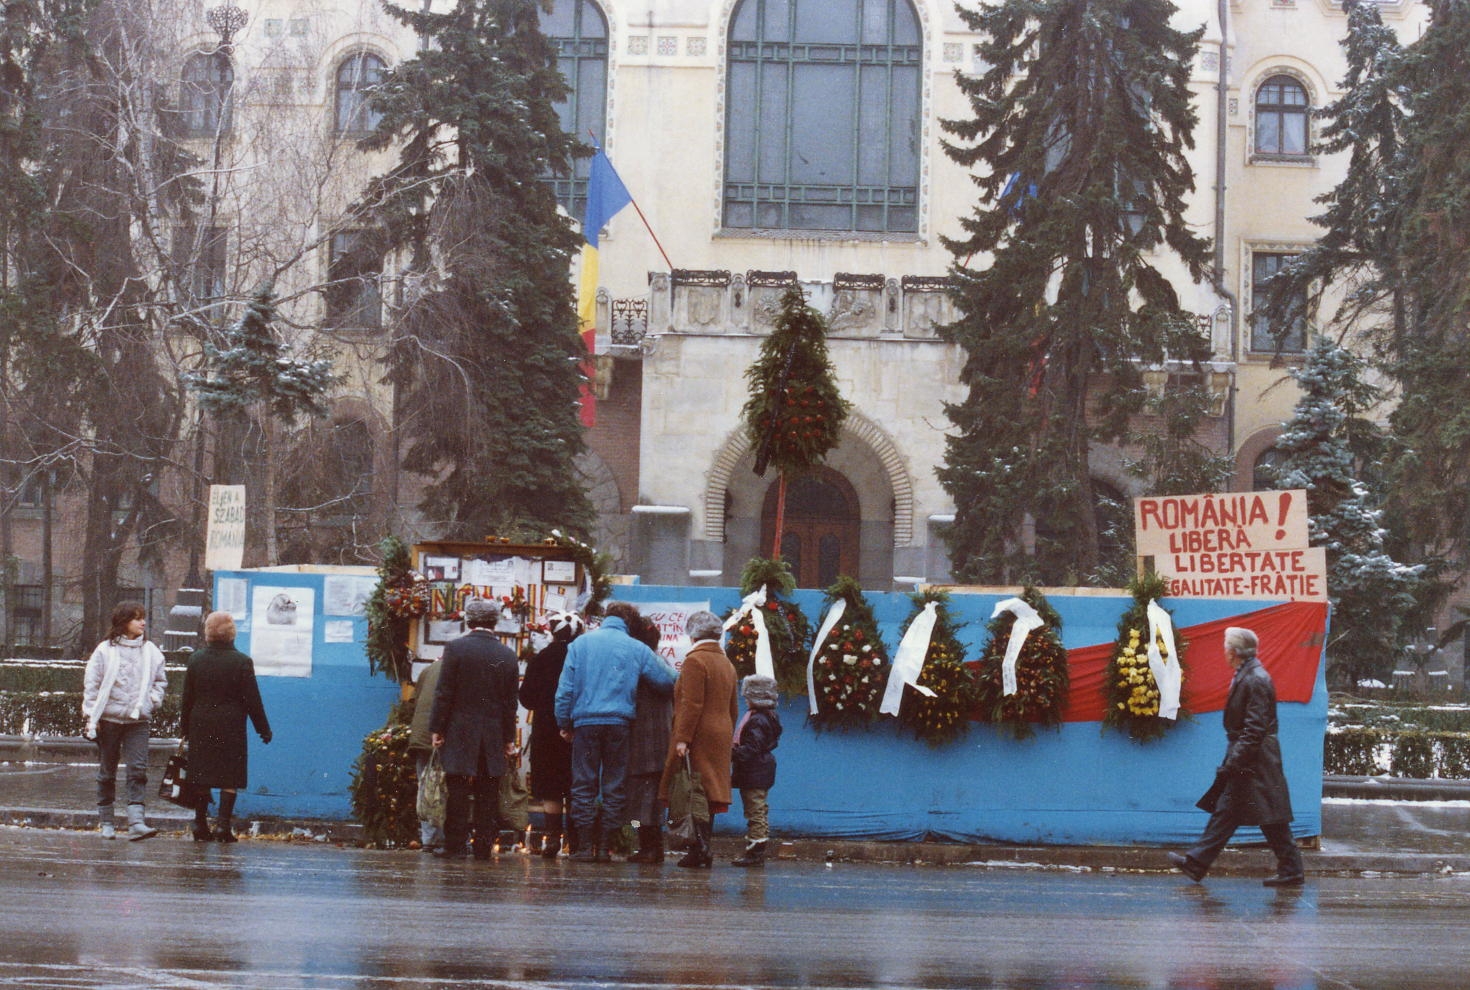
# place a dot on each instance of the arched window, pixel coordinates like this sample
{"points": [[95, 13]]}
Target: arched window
{"points": [[579, 32], [204, 94], [1281, 118], [356, 76], [822, 118]]}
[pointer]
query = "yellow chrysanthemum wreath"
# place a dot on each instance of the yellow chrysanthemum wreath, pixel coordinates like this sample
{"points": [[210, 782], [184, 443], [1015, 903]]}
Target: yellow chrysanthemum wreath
{"points": [[1132, 693]]}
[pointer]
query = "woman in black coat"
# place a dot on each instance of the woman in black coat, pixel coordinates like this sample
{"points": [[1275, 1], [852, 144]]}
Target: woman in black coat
{"points": [[551, 755], [219, 694]]}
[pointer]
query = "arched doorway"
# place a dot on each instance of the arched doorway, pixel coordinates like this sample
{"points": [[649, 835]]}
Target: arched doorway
{"points": [[821, 528]]}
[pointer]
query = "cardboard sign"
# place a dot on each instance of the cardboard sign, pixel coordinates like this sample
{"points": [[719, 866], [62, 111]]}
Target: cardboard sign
{"points": [[1233, 545], [225, 538]]}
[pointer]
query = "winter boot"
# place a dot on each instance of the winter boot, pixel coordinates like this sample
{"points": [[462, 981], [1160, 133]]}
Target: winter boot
{"points": [[222, 830], [137, 827], [201, 821], [104, 815], [698, 857], [650, 845], [754, 855], [588, 847]]}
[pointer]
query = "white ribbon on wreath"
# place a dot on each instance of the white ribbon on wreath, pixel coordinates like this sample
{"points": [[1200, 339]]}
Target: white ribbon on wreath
{"points": [[750, 606], [908, 660], [1168, 675], [1027, 621], [834, 615]]}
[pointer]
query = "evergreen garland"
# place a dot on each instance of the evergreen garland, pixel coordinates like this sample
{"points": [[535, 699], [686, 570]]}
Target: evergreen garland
{"points": [[1041, 672], [946, 716], [790, 633], [852, 667], [1132, 693], [390, 609]]}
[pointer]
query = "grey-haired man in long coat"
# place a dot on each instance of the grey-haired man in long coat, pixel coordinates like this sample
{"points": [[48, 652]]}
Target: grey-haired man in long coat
{"points": [[1250, 785]]}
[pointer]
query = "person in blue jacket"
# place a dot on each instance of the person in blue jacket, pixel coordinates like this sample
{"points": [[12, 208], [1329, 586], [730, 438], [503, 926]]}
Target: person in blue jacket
{"points": [[595, 702]]}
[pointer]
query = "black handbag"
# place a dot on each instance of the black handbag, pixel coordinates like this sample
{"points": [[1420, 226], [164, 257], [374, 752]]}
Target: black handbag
{"points": [[175, 786]]}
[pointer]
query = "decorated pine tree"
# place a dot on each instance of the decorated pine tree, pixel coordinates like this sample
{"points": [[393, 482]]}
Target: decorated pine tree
{"points": [[1040, 669], [787, 630], [946, 715], [1077, 139], [1371, 592], [484, 354], [851, 665], [1133, 694], [794, 414]]}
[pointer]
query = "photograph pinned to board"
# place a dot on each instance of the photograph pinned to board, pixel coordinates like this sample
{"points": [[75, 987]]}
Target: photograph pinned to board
{"points": [[281, 631], [558, 572], [441, 568]]}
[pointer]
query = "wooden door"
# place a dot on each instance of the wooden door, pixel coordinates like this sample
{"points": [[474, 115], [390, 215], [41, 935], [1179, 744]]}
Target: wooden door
{"points": [[820, 536]]}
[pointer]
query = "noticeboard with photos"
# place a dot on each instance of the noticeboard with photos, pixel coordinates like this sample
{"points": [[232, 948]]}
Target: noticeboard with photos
{"points": [[529, 580]]}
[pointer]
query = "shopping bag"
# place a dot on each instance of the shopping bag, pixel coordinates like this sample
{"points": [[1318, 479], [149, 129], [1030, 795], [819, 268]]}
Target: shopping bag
{"points": [[433, 792], [175, 786], [687, 805], [515, 799]]}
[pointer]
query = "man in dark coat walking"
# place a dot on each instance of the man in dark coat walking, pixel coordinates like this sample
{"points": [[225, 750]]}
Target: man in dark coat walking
{"points": [[473, 726], [1250, 786]]}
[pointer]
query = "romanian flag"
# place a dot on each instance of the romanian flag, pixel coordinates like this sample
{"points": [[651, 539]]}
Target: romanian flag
{"points": [[606, 195]]}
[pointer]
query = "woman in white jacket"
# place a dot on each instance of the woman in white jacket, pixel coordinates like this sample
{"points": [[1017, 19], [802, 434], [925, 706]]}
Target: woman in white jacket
{"points": [[124, 683]]}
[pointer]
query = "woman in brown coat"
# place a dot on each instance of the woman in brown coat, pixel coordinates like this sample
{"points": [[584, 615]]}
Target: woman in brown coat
{"points": [[704, 724]]}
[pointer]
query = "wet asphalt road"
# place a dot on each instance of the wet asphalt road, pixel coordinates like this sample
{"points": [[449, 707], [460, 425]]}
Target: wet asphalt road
{"points": [[83, 913]]}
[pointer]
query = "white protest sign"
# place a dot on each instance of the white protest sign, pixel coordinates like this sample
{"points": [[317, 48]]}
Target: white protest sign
{"points": [[224, 548]]}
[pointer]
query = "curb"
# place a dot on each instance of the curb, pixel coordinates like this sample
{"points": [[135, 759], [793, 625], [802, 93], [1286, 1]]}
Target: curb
{"points": [[1249, 861]]}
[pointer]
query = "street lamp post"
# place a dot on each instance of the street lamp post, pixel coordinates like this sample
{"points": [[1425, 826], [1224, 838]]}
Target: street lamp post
{"points": [[187, 614]]}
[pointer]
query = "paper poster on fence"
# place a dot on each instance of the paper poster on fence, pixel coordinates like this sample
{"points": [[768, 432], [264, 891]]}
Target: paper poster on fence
{"points": [[281, 630]]}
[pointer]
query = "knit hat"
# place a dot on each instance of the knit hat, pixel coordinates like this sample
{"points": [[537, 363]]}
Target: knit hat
{"points": [[480, 613], [565, 626], [760, 691]]}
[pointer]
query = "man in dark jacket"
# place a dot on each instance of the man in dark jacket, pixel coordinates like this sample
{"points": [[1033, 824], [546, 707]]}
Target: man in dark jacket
{"points": [[473, 726], [1250, 786]]}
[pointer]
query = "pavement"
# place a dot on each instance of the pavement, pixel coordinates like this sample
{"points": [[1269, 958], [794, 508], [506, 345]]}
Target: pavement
{"points": [[1372, 826]]}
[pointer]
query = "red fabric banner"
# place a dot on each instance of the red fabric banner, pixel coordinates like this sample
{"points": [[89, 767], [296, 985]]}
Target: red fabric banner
{"points": [[1291, 638]]}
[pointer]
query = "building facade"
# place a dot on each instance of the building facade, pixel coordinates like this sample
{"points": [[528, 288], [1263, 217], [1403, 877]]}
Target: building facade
{"points": [[764, 142]]}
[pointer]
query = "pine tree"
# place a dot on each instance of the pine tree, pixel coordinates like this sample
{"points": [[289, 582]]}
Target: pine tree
{"points": [[251, 381], [795, 413], [1356, 252], [484, 360], [1371, 592], [1429, 460], [1078, 136]]}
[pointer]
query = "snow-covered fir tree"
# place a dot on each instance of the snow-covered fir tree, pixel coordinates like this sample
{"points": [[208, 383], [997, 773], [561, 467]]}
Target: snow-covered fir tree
{"points": [[1077, 140], [1371, 592]]}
